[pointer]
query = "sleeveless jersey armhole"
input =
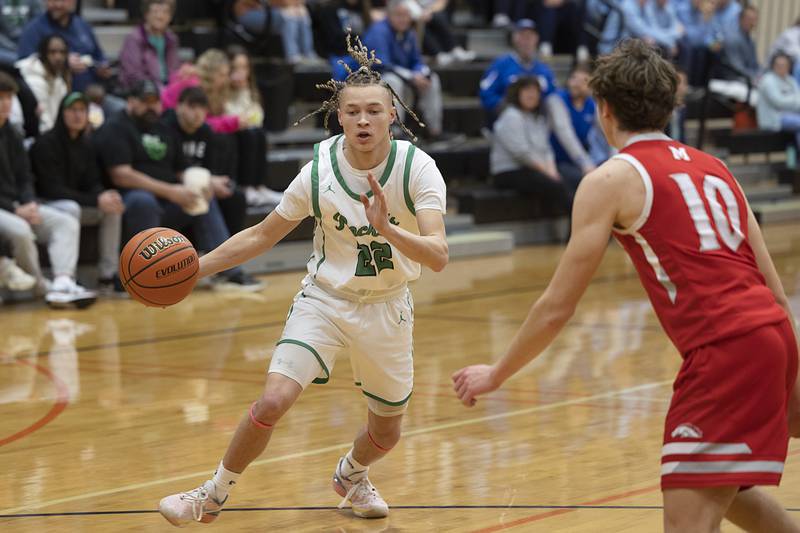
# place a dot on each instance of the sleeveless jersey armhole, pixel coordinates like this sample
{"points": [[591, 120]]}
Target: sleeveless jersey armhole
{"points": [[648, 194]]}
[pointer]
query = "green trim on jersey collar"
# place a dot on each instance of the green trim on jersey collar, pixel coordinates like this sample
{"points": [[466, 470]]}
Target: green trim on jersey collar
{"points": [[384, 178]]}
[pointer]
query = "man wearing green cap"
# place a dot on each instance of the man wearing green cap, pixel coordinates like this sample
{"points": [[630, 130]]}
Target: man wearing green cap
{"points": [[65, 166]]}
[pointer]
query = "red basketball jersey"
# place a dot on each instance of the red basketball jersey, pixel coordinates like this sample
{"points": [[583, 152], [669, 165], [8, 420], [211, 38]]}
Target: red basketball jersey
{"points": [[690, 245]]}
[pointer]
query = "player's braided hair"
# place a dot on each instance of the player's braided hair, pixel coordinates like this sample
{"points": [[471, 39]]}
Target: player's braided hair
{"points": [[364, 75]]}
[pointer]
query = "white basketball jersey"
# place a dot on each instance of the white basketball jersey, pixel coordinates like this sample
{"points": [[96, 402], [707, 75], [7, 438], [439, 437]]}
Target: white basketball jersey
{"points": [[349, 254]]}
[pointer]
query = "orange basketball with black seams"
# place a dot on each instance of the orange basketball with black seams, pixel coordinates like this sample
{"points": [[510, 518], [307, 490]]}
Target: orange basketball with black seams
{"points": [[158, 267]]}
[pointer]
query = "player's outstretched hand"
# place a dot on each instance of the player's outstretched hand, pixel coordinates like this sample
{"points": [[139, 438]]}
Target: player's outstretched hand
{"points": [[472, 381], [377, 211]]}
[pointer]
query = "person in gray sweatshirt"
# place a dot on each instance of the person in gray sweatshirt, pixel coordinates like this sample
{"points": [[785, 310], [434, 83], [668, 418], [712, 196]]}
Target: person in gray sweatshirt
{"points": [[521, 156], [778, 106]]}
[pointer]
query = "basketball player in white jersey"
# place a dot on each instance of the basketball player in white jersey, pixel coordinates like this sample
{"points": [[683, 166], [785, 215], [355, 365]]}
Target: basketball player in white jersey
{"points": [[378, 205]]}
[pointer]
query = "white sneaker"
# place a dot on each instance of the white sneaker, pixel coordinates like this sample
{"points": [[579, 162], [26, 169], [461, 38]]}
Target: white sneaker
{"points": [[546, 51], [362, 495], [501, 20], [462, 55], [444, 58], [13, 277], [196, 505], [65, 293], [582, 54]]}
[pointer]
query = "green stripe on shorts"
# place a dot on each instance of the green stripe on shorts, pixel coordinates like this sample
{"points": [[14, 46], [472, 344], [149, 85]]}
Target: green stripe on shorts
{"points": [[387, 402], [319, 381]]}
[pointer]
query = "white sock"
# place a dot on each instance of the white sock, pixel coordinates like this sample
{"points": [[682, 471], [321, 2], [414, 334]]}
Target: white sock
{"points": [[352, 469], [224, 480]]}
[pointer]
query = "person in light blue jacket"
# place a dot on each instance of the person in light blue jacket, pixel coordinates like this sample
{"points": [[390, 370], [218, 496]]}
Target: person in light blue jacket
{"points": [[778, 106]]}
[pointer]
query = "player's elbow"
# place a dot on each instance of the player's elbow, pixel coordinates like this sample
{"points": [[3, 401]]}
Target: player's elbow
{"points": [[441, 259], [556, 314]]}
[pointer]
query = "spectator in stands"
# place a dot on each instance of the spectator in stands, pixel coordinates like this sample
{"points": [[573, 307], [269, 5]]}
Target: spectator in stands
{"points": [[244, 101], [24, 222], [86, 58], [562, 16], [333, 20], [438, 40], [203, 148], [697, 17], [14, 15], [788, 42], [521, 157], [144, 160], [727, 14], [677, 124], [508, 11], [12, 277], [577, 98], [395, 44], [523, 62], [150, 51], [778, 106], [296, 34], [212, 73], [739, 50], [47, 74], [653, 21], [68, 178]]}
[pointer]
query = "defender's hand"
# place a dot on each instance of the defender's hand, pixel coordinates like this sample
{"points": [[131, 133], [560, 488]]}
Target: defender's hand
{"points": [[472, 381]]}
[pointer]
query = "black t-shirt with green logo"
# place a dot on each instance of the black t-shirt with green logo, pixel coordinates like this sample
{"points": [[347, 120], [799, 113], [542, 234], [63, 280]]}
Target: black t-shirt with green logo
{"points": [[154, 151]]}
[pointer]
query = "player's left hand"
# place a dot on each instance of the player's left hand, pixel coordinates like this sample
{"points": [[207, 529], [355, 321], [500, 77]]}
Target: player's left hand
{"points": [[377, 211], [472, 381]]}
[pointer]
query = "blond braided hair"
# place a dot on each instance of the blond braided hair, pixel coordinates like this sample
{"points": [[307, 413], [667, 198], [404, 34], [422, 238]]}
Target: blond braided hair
{"points": [[362, 76]]}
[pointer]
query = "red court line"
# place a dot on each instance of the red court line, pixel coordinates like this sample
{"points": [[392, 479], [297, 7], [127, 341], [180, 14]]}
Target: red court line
{"points": [[62, 400], [556, 512]]}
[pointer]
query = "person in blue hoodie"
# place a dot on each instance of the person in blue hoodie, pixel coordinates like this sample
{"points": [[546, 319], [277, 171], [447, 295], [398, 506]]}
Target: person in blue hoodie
{"points": [[577, 98], [395, 44], [523, 62], [86, 59]]}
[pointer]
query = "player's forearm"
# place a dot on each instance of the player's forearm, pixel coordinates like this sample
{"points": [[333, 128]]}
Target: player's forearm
{"points": [[429, 250], [125, 177], [543, 323], [239, 249]]}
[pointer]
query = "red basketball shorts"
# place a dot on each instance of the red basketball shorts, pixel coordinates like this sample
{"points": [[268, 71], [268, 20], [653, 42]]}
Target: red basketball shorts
{"points": [[726, 424]]}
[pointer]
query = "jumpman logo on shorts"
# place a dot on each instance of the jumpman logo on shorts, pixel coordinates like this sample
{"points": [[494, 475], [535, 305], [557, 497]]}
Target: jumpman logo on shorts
{"points": [[402, 319]]}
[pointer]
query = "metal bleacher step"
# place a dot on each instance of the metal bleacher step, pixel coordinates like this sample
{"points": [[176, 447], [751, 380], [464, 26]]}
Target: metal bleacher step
{"points": [[770, 192], [111, 38], [754, 174], [771, 212], [458, 222], [488, 42], [95, 15], [296, 136]]}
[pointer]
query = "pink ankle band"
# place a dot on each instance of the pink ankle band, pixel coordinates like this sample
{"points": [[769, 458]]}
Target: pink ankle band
{"points": [[255, 421], [372, 440]]}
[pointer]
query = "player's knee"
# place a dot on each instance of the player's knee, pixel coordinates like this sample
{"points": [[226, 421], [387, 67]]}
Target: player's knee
{"points": [[271, 407], [386, 435]]}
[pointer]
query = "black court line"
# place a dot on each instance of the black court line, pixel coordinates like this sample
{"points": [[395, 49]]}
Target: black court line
{"points": [[333, 508]]}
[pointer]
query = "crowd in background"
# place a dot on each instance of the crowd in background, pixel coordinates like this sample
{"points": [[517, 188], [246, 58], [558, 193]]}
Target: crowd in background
{"points": [[155, 139]]}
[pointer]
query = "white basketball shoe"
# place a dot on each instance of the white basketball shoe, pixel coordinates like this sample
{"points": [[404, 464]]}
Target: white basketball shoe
{"points": [[362, 495], [199, 505]]}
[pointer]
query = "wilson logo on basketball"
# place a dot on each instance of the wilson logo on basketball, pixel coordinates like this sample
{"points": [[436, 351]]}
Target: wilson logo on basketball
{"points": [[152, 249], [177, 267]]}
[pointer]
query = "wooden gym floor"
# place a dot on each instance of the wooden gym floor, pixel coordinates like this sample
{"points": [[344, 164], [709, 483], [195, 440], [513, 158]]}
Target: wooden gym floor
{"points": [[104, 411]]}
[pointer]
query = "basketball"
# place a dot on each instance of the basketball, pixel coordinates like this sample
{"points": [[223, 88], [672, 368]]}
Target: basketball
{"points": [[158, 267]]}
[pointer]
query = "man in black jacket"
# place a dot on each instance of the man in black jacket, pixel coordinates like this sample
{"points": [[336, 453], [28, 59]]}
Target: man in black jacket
{"points": [[67, 176], [143, 158], [24, 222]]}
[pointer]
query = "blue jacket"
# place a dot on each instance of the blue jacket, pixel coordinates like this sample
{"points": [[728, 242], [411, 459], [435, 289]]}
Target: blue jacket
{"points": [[582, 122], [79, 37], [504, 71], [398, 52]]}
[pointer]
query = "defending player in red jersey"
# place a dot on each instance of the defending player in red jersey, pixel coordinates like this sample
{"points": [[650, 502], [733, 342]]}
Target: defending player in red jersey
{"points": [[682, 218]]}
